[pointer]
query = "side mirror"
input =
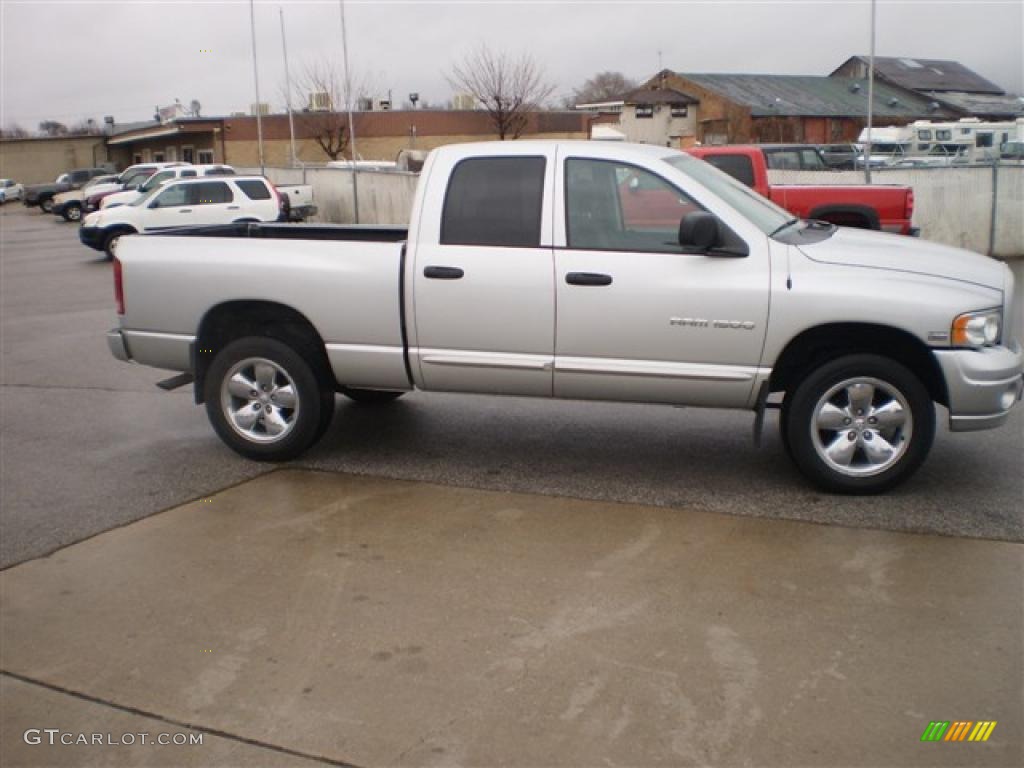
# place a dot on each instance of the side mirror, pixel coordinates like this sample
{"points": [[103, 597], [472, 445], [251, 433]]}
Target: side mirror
{"points": [[698, 231]]}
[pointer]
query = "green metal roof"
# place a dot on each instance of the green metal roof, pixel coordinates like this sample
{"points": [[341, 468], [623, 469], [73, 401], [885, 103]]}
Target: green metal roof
{"points": [[813, 96]]}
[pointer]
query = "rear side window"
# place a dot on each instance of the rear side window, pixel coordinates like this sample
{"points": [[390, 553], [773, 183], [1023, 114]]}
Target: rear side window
{"points": [[211, 193], [254, 189], [738, 166], [494, 201], [187, 174]]}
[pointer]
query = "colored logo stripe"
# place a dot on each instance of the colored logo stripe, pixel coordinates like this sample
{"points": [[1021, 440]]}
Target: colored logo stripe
{"points": [[958, 730], [982, 731]]}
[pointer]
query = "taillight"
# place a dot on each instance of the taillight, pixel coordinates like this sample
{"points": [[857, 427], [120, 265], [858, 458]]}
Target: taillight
{"points": [[910, 204], [281, 202], [118, 287]]}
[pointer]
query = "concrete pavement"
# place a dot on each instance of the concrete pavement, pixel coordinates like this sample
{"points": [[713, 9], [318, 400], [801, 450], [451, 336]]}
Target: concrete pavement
{"points": [[376, 622]]}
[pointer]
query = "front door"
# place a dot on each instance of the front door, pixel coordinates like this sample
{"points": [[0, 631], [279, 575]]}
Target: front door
{"points": [[482, 277], [640, 319]]}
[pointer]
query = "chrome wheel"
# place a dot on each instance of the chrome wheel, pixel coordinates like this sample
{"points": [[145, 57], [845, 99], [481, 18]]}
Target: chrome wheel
{"points": [[861, 427], [259, 400]]}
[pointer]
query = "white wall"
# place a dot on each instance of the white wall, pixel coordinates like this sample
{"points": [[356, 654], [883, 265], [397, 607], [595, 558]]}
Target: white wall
{"points": [[384, 198], [951, 205]]}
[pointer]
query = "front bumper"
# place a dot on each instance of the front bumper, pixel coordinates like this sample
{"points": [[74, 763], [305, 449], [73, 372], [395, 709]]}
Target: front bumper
{"points": [[92, 236], [983, 385]]}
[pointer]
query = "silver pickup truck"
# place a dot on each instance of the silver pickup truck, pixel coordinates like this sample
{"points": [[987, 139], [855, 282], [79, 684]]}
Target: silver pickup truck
{"points": [[587, 271]]}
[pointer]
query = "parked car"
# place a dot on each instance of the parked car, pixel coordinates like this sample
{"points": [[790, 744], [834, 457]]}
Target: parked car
{"points": [[68, 205], [187, 202], [840, 157], [160, 177], [42, 194], [519, 275], [887, 207], [10, 190]]}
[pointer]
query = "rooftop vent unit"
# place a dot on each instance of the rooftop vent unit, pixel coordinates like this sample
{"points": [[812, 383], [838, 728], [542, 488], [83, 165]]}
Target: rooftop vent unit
{"points": [[320, 101], [854, 87]]}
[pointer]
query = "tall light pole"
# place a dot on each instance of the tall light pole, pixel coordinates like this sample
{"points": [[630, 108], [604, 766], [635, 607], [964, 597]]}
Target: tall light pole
{"points": [[256, 78], [871, 97], [351, 121], [288, 86]]}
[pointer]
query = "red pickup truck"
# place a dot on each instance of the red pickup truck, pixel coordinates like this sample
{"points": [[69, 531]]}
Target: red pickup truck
{"points": [[887, 207]]}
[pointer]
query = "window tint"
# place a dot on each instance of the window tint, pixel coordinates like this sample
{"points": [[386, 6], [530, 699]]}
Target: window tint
{"points": [[494, 201], [811, 160], [614, 206], [188, 174], [739, 167], [783, 159], [254, 189], [211, 193], [172, 197]]}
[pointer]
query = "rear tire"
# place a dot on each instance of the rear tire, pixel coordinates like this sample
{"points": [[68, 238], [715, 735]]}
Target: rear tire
{"points": [[859, 424], [46, 205], [265, 401], [110, 242], [370, 396], [72, 212]]}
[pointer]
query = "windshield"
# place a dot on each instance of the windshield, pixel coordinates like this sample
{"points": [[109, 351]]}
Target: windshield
{"points": [[156, 180], [763, 214]]}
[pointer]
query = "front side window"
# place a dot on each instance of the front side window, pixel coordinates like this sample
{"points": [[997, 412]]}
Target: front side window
{"points": [[172, 197], [494, 201], [783, 160], [811, 160], [156, 180], [211, 193], [619, 207]]}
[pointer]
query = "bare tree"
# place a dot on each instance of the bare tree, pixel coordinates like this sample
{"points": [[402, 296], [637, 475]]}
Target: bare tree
{"points": [[87, 127], [508, 87], [52, 128], [319, 104], [604, 86], [13, 131]]}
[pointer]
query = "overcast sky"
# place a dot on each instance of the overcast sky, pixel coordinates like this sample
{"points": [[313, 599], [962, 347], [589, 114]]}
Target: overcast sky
{"points": [[72, 60]]}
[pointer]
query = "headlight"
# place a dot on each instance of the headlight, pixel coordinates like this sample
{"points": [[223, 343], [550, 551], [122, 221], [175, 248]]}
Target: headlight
{"points": [[978, 329]]}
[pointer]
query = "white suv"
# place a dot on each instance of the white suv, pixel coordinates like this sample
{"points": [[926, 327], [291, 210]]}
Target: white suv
{"points": [[185, 203], [129, 196]]}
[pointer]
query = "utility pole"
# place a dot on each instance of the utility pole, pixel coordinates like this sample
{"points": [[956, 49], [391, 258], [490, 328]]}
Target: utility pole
{"points": [[871, 98], [288, 86], [256, 78], [351, 121]]}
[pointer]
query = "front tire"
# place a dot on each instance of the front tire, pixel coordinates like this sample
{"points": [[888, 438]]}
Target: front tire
{"points": [[47, 205], [265, 401], [111, 240], [860, 424]]}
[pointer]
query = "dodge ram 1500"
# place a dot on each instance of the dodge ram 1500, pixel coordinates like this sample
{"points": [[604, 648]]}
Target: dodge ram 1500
{"points": [[588, 271]]}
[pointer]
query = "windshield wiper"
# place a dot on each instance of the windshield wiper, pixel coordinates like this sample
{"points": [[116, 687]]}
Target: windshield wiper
{"points": [[789, 223]]}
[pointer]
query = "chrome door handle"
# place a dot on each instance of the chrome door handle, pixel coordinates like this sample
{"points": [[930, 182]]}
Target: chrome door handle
{"points": [[233, 207], [185, 210]]}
